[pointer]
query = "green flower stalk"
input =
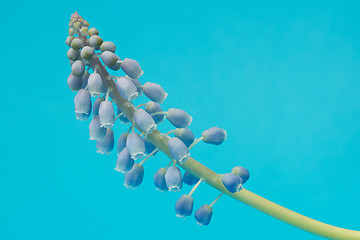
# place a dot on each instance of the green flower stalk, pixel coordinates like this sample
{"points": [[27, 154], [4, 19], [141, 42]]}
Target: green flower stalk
{"points": [[160, 140]]}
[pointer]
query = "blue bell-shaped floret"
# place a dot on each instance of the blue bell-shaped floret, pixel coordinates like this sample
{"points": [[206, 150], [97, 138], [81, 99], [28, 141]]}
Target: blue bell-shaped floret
{"points": [[78, 68], [137, 84], [203, 215], [85, 79], [184, 206], [124, 162], [126, 88], [154, 92], [149, 147], [121, 143], [95, 85], [189, 179], [145, 122], [74, 82], [179, 118], [214, 135], [178, 150], [185, 135], [96, 106], [83, 104], [131, 68], [135, 176], [232, 182], [241, 172], [135, 145], [106, 114], [96, 131], [173, 179], [153, 107], [106, 145], [159, 180], [122, 118]]}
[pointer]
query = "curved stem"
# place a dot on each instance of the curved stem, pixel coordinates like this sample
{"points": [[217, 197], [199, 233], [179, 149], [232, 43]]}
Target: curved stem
{"points": [[216, 199], [196, 141], [211, 178]]}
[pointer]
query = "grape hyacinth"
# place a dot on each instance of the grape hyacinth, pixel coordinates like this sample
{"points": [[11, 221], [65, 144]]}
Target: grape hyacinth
{"points": [[143, 139]]}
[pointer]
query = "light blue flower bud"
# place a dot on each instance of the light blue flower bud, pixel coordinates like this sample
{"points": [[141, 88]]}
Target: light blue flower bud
{"points": [[106, 114], [78, 68], [109, 58], [203, 215], [178, 150], [173, 179], [121, 143], [96, 131], [214, 135], [93, 31], [154, 92], [95, 42], [233, 183], [126, 88], [149, 147], [106, 145], [82, 103], [131, 68], [87, 52], [144, 121], [179, 118], [95, 85], [159, 180], [185, 135], [135, 145], [107, 46], [153, 107], [124, 162], [68, 40], [241, 172], [96, 106], [122, 118], [74, 82], [73, 54], [184, 206], [189, 179], [135, 176], [76, 44]]}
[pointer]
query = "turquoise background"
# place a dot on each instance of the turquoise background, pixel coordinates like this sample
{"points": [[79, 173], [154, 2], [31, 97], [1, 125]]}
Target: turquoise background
{"points": [[282, 77]]}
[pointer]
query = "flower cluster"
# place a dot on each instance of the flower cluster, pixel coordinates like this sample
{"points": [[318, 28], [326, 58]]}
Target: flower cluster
{"points": [[89, 57]]}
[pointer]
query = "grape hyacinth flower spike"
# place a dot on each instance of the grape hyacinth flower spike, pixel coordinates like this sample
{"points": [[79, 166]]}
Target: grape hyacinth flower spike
{"points": [[85, 43]]}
